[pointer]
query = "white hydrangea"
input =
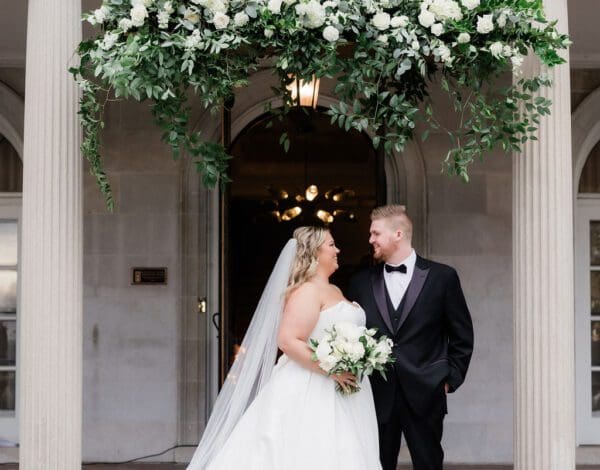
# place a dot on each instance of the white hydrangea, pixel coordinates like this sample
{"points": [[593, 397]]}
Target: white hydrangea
{"points": [[437, 29], [274, 6], [138, 15], [399, 21], [496, 49], [445, 10], [220, 20], [507, 51], [312, 14], [485, 24], [240, 19], [217, 6], [426, 18], [470, 4], [381, 20], [463, 38], [168, 7], [331, 34]]}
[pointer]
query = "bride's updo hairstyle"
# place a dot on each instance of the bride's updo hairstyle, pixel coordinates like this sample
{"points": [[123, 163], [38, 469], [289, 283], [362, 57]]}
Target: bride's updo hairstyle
{"points": [[309, 240]]}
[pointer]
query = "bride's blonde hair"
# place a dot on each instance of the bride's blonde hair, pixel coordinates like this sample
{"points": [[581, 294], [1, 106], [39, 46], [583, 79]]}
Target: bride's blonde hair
{"points": [[309, 240]]}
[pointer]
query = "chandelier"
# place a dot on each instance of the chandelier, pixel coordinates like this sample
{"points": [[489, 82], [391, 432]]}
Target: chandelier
{"points": [[312, 204]]}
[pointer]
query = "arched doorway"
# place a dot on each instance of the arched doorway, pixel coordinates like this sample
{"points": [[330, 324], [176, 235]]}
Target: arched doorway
{"points": [[586, 152], [268, 199]]}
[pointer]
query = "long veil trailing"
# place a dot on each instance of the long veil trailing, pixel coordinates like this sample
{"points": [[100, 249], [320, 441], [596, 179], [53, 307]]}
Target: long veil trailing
{"points": [[253, 365]]}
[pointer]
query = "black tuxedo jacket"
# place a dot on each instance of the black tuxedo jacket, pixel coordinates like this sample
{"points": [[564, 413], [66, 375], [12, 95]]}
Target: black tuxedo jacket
{"points": [[433, 342]]}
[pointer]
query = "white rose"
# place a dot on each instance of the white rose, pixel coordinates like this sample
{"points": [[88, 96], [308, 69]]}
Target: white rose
{"points": [[426, 18], [445, 9], [470, 4], [268, 33], [356, 351], [274, 6], [100, 15], [312, 14], [323, 350], [331, 34], [347, 331], [381, 20], [125, 24], [496, 49], [437, 29], [485, 24], [415, 45], [217, 6], [399, 21], [328, 363], [138, 15], [383, 38], [463, 38], [220, 20], [241, 19]]}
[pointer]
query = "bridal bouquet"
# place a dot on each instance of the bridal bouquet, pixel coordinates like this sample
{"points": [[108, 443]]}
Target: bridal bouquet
{"points": [[347, 347]]}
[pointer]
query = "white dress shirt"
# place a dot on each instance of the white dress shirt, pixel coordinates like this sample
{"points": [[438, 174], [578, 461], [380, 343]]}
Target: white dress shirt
{"points": [[397, 282]]}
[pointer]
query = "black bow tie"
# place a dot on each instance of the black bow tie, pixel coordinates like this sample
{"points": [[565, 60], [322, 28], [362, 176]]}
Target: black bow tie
{"points": [[400, 269]]}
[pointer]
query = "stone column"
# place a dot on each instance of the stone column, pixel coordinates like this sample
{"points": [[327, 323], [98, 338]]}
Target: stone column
{"points": [[544, 399], [51, 284]]}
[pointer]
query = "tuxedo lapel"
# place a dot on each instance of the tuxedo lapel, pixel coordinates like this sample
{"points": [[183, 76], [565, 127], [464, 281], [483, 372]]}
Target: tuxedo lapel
{"points": [[414, 289], [378, 284]]}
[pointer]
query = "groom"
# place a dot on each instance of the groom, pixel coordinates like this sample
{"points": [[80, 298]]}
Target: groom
{"points": [[420, 305]]}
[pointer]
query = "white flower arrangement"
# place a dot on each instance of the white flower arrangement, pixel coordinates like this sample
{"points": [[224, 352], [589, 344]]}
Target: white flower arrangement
{"points": [[347, 347], [159, 49]]}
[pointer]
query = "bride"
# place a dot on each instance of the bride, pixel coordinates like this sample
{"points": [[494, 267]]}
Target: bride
{"points": [[289, 416]]}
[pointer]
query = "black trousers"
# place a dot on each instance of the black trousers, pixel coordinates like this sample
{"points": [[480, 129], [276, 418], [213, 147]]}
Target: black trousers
{"points": [[423, 435]]}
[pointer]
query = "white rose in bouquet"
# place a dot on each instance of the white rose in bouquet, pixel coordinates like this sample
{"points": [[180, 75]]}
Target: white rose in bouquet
{"points": [[496, 49], [399, 21], [220, 20], [331, 34], [485, 24], [138, 15], [274, 6], [470, 4], [426, 18], [241, 19], [347, 347], [381, 20], [463, 38]]}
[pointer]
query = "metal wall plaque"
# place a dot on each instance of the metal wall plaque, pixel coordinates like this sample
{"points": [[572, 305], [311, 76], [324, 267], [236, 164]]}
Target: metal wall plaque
{"points": [[149, 276]]}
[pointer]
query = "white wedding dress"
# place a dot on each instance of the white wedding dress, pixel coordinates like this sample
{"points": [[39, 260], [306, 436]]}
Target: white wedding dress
{"points": [[299, 421]]}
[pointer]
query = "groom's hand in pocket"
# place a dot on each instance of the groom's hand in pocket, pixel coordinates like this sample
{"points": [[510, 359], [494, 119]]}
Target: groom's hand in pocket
{"points": [[446, 388]]}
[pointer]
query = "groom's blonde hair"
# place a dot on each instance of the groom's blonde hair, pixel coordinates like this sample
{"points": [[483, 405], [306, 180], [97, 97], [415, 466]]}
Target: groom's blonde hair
{"points": [[309, 241], [396, 217]]}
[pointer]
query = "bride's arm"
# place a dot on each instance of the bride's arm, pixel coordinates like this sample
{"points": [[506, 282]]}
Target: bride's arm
{"points": [[300, 316]]}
